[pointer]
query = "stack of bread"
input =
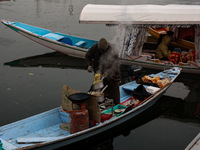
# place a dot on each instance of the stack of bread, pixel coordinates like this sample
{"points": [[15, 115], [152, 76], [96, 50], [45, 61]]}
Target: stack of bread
{"points": [[156, 79]]}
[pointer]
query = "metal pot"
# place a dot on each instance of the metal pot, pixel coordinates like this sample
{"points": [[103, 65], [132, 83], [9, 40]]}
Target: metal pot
{"points": [[98, 85], [99, 96]]}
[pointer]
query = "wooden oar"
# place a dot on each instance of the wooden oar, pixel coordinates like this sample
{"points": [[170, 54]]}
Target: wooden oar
{"points": [[195, 64]]}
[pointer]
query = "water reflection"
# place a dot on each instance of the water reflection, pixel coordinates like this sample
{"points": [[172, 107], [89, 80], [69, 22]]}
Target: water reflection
{"points": [[87, 145], [70, 8], [187, 109], [53, 60], [65, 4]]}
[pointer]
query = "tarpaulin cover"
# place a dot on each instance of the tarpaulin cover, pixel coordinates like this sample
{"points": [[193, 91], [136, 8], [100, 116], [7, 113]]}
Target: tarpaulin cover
{"points": [[141, 14]]}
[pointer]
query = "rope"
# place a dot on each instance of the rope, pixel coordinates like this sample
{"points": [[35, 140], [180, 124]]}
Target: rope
{"points": [[134, 58]]}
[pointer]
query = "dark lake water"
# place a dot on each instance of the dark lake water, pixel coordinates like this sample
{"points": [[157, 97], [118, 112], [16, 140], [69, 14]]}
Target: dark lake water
{"points": [[30, 89]]}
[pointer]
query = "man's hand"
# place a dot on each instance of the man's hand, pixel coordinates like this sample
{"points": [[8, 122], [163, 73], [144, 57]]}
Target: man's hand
{"points": [[89, 69], [105, 74]]}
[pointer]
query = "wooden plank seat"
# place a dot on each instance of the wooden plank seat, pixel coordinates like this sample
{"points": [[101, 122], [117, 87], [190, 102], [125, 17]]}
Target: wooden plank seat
{"points": [[79, 43], [53, 36]]}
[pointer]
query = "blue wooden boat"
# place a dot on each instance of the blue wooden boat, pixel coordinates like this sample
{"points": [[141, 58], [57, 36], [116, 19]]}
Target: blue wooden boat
{"points": [[78, 46], [70, 45], [43, 131]]}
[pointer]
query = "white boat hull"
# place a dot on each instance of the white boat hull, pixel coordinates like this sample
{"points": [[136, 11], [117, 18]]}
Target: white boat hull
{"points": [[57, 46]]}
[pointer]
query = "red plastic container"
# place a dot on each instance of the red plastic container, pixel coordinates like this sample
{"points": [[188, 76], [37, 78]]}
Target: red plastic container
{"points": [[105, 117], [79, 120]]}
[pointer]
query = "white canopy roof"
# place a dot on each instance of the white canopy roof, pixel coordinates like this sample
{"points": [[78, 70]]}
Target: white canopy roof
{"points": [[140, 14]]}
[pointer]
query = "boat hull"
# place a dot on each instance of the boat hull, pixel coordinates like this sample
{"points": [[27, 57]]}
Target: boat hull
{"points": [[108, 130], [105, 132], [57, 46], [46, 127], [157, 66]]}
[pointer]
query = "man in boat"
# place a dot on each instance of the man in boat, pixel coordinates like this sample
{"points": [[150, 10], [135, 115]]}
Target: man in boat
{"points": [[162, 51], [102, 58]]}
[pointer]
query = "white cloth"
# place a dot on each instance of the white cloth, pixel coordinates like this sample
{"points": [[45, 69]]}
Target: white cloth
{"points": [[152, 89]]}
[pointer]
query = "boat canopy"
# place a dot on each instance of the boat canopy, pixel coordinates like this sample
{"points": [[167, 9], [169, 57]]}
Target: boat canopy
{"points": [[141, 14], [134, 20]]}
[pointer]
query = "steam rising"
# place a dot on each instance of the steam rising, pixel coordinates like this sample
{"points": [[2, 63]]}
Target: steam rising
{"points": [[109, 62]]}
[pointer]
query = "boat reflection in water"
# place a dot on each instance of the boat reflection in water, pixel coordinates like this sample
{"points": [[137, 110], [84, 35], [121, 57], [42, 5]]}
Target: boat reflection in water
{"points": [[183, 109], [56, 60], [53, 60], [4, 0], [188, 108]]}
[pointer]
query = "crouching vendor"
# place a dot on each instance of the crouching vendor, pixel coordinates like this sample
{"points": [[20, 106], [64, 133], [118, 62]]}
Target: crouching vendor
{"points": [[162, 51], [102, 58]]}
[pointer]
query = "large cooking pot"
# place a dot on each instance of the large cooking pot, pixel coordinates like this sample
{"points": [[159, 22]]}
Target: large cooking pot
{"points": [[99, 96], [78, 97]]}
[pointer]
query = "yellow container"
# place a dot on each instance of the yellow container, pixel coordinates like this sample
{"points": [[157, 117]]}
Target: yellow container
{"points": [[156, 60], [97, 78]]}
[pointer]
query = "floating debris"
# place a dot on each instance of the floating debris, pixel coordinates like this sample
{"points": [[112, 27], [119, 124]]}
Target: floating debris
{"points": [[31, 74]]}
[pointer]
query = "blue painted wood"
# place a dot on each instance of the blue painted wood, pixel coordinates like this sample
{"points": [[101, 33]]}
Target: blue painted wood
{"points": [[88, 42], [36, 30], [66, 40], [31, 124], [7, 145], [64, 116], [46, 124]]}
